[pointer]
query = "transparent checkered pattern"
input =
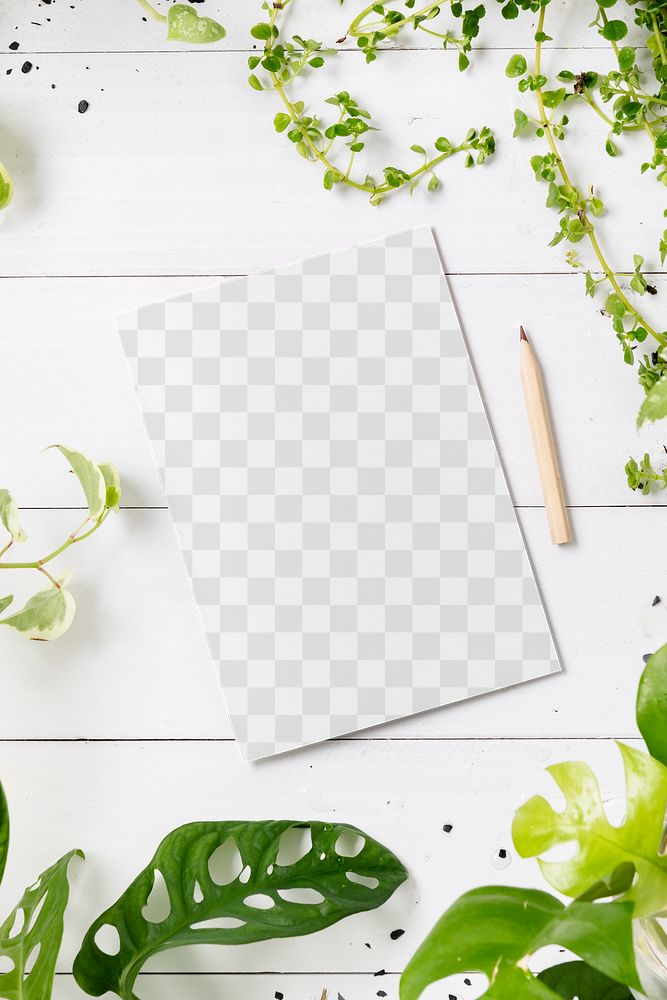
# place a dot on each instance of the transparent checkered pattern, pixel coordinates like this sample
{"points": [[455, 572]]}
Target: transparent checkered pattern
{"points": [[337, 493]]}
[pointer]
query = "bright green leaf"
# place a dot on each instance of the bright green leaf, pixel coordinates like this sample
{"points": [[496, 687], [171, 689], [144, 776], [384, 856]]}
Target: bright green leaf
{"points": [[9, 517], [495, 929], [601, 846], [261, 31], [89, 475], [614, 31], [5, 602], [256, 893], [186, 25], [6, 187], [652, 705], [46, 616], [111, 478], [654, 406], [578, 981], [4, 831], [41, 925], [517, 66]]}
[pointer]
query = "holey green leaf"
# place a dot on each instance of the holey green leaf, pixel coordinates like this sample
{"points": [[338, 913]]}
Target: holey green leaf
{"points": [[89, 475], [496, 929], [233, 883], [186, 25], [600, 847], [9, 517], [47, 615], [31, 935], [4, 831]]}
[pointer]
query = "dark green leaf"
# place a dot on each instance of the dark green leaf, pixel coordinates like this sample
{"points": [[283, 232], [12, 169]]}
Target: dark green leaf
{"points": [[614, 31], [652, 704], [578, 981], [39, 918], [257, 895]]}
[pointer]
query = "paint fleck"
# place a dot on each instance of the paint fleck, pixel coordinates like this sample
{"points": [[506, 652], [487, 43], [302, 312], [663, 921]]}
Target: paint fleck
{"points": [[381, 993], [26, 67], [278, 995], [395, 935], [656, 600], [83, 107], [14, 46], [448, 828]]}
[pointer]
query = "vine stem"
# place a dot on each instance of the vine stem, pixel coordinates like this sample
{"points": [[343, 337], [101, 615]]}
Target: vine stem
{"points": [[357, 27], [321, 155], [152, 11], [588, 226], [659, 39], [75, 537]]}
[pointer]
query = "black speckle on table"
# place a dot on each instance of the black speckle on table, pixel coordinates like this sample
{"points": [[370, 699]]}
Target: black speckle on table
{"points": [[380, 972], [448, 828], [502, 853], [395, 935], [646, 657], [381, 993], [14, 46], [278, 995], [656, 600], [367, 944], [467, 982], [26, 67], [82, 107]]}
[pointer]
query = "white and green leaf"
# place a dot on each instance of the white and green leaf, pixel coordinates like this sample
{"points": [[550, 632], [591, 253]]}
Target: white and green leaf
{"points": [[186, 25], [46, 616], [32, 950], [9, 517], [91, 478]]}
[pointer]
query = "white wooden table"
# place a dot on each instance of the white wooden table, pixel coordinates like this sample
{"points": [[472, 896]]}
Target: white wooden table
{"points": [[174, 177]]}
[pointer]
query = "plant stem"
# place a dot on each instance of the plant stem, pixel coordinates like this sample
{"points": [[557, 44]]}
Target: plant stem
{"points": [[357, 27], [321, 154], [152, 11], [75, 537], [659, 39], [7, 547], [588, 225]]}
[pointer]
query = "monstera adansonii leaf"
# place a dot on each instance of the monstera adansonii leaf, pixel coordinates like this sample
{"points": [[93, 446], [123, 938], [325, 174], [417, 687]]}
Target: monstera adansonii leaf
{"points": [[31, 935], [496, 929], [600, 846], [233, 883], [4, 831], [652, 705]]}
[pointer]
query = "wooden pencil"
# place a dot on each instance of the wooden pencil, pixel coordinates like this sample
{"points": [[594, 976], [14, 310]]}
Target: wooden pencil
{"points": [[543, 442]]}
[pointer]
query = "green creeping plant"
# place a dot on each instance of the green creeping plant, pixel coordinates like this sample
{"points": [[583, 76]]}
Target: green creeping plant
{"points": [[335, 145], [49, 613], [224, 883], [616, 876]]}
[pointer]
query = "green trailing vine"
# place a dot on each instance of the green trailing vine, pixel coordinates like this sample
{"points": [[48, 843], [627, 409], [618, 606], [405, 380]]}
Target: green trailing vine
{"points": [[335, 144], [49, 613]]}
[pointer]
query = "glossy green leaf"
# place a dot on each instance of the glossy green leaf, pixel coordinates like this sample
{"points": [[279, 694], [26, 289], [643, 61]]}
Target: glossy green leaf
{"points": [[652, 705], [654, 406], [495, 930], [186, 25], [4, 831], [35, 927], [46, 616], [259, 894], [89, 475], [111, 478], [6, 187], [578, 981], [517, 66], [9, 517], [601, 846]]}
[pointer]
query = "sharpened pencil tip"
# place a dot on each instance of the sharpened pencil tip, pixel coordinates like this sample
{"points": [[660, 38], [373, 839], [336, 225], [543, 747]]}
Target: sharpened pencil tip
{"points": [[522, 334]]}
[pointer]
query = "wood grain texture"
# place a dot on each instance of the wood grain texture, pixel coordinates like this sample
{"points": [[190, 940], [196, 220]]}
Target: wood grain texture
{"points": [[173, 177]]}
